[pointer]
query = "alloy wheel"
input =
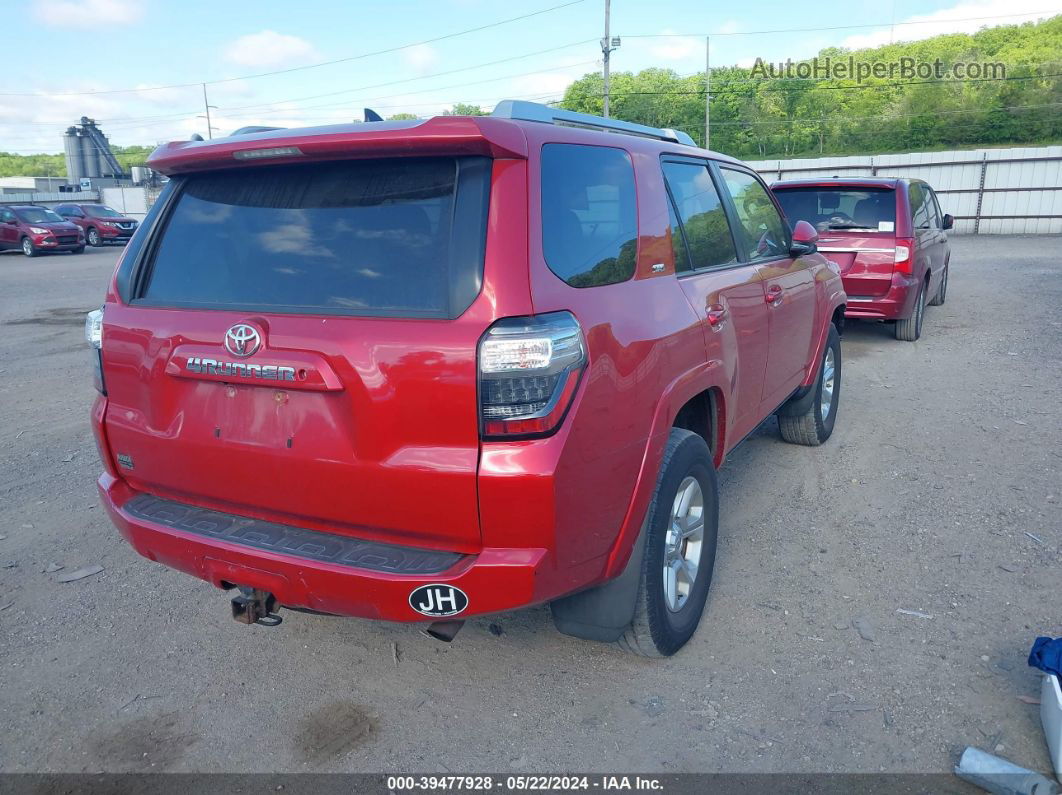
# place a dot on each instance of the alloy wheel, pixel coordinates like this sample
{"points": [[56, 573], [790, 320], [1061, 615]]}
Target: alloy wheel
{"points": [[683, 543]]}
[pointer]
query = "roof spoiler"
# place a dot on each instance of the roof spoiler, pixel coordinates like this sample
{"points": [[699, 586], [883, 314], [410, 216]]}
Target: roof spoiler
{"points": [[254, 129], [533, 111]]}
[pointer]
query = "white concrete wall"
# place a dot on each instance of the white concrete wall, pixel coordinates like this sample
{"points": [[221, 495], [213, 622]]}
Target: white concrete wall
{"points": [[958, 171]]}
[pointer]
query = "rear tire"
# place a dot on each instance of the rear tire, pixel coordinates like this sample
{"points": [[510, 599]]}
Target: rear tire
{"points": [[28, 248], [682, 532], [909, 329], [809, 420], [942, 290], [78, 250]]}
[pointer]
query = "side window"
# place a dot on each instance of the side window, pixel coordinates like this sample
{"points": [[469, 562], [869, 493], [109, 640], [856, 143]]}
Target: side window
{"points": [[919, 206], [6, 215], [764, 230], [678, 243], [703, 219], [934, 209], [589, 214], [63, 210]]}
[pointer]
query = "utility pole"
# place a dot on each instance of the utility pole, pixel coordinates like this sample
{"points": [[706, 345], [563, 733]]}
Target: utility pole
{"points": [[707, 87], [608, 44], [208, 106]]}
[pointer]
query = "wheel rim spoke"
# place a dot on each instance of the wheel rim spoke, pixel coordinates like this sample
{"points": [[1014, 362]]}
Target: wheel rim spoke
{"points": [[682, 543]]}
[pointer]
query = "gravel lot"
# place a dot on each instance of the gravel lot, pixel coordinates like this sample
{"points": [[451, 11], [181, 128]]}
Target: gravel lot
{"points": [[939, 493]]}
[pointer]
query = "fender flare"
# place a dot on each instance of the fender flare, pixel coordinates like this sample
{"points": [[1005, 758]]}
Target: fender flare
{"points": [[834, 301], [602, 612]]}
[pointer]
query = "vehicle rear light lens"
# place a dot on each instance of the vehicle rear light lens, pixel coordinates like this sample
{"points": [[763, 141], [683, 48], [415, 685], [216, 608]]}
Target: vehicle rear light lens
{"points": [[94, 337], [265, 154], [904, 259], [529, 369]]}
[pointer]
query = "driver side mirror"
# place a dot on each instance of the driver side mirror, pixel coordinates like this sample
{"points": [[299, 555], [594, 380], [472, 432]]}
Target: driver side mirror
{"points": [[949, 221], [805, 239]]}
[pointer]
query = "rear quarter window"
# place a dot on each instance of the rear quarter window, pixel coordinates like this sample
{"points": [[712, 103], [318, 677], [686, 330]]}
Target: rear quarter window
{"points": [[589, 214], [401, 236]]}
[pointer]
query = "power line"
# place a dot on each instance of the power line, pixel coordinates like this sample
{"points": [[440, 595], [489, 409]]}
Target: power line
{"points": [[885, 117], [1052, 12], [307, 66], [953, 81]]}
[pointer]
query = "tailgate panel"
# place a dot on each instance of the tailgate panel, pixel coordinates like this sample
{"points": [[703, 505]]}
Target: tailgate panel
{"points": [[389, 452]]}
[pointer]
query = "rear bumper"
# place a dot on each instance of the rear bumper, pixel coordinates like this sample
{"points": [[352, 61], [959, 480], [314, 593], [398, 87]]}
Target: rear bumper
{"points": [[897, 303], [494, 580]]}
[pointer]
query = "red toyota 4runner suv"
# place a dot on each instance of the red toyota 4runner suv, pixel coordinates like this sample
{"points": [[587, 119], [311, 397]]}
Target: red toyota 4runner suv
{"points": [[425, 370], [889, 238]]}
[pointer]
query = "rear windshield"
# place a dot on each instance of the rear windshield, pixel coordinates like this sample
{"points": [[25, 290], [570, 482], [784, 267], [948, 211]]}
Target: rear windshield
{"points": [[863, 209], [401, 236]]}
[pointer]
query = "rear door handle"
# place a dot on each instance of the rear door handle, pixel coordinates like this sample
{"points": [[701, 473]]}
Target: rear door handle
{"points": [[716, 314], [775, 295]]}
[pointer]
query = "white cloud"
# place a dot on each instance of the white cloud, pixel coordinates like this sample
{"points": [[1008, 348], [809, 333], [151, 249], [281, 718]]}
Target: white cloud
{"points": [[88, 13], [270, 49], [670, 47], [730, 26], [420, 57], [946, 20]]}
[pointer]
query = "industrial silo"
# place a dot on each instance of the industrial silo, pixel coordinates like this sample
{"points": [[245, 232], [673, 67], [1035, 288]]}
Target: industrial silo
{"points": [[75, 161], [91, 157]]}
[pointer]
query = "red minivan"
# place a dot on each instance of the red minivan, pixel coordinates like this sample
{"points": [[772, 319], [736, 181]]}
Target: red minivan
{"points": [[426, 370], [889, 238]]}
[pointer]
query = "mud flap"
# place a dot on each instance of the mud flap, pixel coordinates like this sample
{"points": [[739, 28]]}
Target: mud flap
{"points": [[801, 400], [603, 613]]}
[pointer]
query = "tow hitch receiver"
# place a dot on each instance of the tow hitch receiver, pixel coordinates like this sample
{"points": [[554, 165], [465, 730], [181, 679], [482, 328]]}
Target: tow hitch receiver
{"points": [[443, 630], [255, 606]]}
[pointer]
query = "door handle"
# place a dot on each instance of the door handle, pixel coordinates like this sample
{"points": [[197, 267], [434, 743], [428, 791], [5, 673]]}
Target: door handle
{"points": [[775, 295], [716, 315]]}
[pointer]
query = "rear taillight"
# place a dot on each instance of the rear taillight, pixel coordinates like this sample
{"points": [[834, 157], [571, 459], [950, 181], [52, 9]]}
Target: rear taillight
{"points": [[904, 256], [94, 337], [529, 370]]}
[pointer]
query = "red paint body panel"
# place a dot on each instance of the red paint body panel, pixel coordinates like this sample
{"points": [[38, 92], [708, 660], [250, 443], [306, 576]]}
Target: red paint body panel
{"points": [[381, 439]]}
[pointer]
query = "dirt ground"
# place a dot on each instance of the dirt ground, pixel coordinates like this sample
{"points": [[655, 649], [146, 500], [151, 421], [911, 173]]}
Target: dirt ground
{"points": [[939, 494]]}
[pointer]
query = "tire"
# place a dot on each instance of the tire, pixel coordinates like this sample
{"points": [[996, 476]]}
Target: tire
{"points": [[909, 329], [660, 628], [93, 237], [942, 290], [78, 250], [28, 248], [809, 420]]}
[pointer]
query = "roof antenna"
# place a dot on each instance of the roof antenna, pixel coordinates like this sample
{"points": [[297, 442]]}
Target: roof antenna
{"points": [[371, 115]]}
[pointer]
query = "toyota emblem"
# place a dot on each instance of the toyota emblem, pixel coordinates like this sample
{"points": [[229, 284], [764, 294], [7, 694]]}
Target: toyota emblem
{"points": [[242, 340]]}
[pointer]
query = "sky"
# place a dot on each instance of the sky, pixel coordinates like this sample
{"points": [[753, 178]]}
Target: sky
{"points": [[137, 66]]}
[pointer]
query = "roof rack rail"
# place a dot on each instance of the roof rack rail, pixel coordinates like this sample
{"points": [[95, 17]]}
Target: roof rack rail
{"points": [[533, 111]]}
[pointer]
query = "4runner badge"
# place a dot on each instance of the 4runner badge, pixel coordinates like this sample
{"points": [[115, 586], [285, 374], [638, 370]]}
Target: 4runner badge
{"points": [[438, 600]]}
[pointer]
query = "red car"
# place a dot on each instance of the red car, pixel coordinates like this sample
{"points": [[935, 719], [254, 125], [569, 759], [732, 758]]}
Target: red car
{"points": [[101, 224], [36, 230], [889, 238], [426, 370]]}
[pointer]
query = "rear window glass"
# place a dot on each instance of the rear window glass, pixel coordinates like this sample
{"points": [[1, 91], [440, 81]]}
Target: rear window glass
{"points": [[401, 236], [865, 209], [589, 214]]}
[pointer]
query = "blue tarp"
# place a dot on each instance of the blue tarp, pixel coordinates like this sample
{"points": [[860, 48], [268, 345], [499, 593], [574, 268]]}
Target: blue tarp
{"points": [[1046, 655]]}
